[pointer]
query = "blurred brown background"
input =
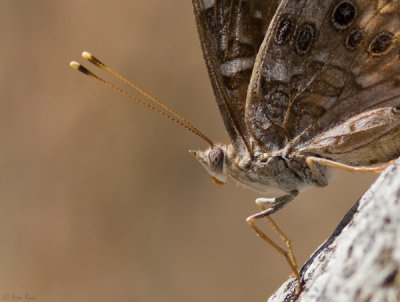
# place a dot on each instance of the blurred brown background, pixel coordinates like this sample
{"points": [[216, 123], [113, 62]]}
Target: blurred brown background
{"points": [[99, 198]]}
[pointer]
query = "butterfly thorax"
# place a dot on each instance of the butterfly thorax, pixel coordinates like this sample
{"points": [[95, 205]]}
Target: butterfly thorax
{"points": [[273, 174]]}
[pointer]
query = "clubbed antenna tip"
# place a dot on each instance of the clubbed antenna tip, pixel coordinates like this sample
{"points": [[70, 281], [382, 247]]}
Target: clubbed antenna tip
{"points": [[156, 106]]}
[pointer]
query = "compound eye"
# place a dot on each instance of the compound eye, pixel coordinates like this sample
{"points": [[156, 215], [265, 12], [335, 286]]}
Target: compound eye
{"points": [[216, 158]]}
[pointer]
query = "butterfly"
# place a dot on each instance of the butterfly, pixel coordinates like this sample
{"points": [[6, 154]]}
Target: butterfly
{"points": [[302, 86]]}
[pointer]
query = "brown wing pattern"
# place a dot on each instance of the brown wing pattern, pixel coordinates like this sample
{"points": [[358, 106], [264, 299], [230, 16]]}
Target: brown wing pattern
{"points": [[321, 64], [231, 32]]}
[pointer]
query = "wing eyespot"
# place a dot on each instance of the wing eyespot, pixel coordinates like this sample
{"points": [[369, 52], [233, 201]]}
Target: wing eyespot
{"points": [[381, 44], [343, 15], [305, 38], [353, 39], [283, 30]]}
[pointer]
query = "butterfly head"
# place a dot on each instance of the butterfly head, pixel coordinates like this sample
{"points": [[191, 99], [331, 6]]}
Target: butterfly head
{"points": [[213, 160]]}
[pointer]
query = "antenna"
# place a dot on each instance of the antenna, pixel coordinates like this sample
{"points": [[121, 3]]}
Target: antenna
{"points": [[168, 112]]}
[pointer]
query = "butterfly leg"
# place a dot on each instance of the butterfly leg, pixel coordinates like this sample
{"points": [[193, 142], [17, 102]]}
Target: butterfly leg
{"points": [[323, 161], [261, 203], [276, 204]]}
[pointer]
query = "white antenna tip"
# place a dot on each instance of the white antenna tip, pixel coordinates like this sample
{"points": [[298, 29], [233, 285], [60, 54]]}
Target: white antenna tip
{"points": [[74, 65], [87, 55]]}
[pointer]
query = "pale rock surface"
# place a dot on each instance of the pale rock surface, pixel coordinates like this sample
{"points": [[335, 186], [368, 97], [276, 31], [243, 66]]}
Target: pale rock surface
{"points": [[361, 259]]}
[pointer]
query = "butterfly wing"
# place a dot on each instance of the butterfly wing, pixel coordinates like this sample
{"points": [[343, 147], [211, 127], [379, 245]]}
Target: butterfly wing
{"points": [[231, 32], [322, 65], [368, 138]]}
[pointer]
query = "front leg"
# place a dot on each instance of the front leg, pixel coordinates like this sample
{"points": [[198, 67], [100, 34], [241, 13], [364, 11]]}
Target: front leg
{"points": [[276, 204]]}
